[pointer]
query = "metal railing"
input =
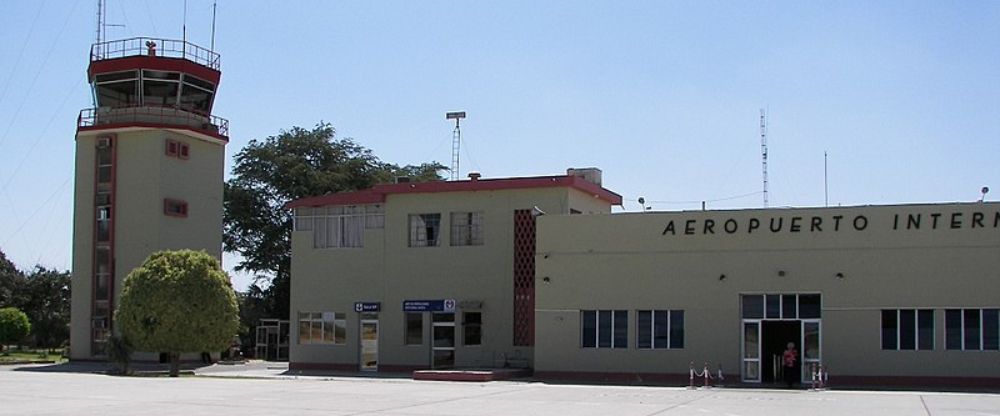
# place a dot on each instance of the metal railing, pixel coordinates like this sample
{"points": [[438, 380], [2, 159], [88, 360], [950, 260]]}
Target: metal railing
{"points": [[143, 46], [170, 116]]}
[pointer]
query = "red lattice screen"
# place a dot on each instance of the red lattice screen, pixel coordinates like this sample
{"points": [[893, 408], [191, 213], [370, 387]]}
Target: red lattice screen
{"points": [[524, 278]]}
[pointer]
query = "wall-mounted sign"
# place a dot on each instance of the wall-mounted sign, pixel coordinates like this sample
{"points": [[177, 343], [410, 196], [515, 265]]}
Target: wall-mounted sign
{"points": [[438, 305], [833, 223], [367, 306]]}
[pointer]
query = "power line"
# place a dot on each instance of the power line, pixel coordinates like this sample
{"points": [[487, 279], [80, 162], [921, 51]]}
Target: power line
{"points": [[17, 62], [58, 112], [35, 212], [38, 73]]}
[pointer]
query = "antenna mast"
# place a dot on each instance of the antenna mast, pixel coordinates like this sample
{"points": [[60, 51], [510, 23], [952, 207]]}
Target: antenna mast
{"points": [[213, 26], [100, 27], [763, 150], [456, 141]]}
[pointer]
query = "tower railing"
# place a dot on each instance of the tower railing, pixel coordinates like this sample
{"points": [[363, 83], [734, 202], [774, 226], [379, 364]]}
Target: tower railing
{"points": [[166, 116], [145, 46]]}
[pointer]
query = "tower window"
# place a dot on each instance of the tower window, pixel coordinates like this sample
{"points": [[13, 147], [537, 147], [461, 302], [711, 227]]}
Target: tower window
{"points": [[175, 208], [177, 149], [172, 148]]}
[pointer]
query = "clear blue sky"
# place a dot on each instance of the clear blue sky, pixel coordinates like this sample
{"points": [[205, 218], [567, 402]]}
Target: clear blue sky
{"points": [[663, 96]]}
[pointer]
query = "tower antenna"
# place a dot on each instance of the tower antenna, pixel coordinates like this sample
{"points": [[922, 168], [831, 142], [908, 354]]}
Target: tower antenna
{"points": [[101, 17], [214, 4], [763, 150], [826, 183], [456, 141], [184, 26]]}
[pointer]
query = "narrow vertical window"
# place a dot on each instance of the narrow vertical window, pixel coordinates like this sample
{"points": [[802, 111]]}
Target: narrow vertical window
{"points": [[472, 328], [589, 329], [621, 329], [925, 329], [991, 329], [661, 329], [890, 329], [414, 328], [953, 329], [604, 335], [907, 329], [970, 326], [644, 329], [676, 329]]}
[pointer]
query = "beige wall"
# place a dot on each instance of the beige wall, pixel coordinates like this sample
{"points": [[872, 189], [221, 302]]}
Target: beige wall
{"points": [[388, 271], [631, 262], [144, 177]]}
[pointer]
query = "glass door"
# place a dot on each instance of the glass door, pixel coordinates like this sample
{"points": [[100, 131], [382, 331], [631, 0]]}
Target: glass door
{"points": [[811, 347], [443, 346], [369, 345], [751, 351]]}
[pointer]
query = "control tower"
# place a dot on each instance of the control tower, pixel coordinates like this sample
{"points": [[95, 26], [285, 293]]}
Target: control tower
{"points": [[149, 171]]}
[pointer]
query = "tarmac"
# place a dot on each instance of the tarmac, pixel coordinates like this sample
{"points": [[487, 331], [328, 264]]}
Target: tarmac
{"points": [[260, 388]]}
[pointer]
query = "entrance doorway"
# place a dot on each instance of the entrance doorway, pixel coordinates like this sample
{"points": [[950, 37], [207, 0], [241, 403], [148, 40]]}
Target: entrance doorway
{"points": [[775, 338], [770, 322], [443, 343], [369, 345]]}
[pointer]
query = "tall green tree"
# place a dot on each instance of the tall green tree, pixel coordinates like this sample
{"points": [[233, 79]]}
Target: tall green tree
{"points": [[12, 283], [47, 304], [178, 302], [294, 164]]}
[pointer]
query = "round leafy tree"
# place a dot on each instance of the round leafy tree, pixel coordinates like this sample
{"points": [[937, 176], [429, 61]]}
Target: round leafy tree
{"points": [[14, 326], [178, 302]]}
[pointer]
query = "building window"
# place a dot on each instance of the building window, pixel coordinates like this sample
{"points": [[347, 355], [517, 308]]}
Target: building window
{"points": [[424, 230], [175, 208], [472, 328], [604, 329], [775, 306], [466, 228], [414, 328], [660, 329], [104, 160], [339, 226], [322, 328], [174, 148], [972, 329], [907, 329]]}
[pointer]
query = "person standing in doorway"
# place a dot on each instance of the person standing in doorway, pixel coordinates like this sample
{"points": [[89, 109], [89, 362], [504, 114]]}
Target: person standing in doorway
{"points": [[789, 358]]}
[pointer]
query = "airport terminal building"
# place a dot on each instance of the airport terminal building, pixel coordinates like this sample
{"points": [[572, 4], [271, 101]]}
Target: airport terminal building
{"points": [[536, 272]]}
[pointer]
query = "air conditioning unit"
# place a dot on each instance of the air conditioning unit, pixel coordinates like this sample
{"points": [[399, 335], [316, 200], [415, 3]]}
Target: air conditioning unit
{"points": [[103, 142]]}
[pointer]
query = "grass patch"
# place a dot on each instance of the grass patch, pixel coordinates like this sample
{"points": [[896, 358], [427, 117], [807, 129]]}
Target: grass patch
{"points": [[32, 356]]}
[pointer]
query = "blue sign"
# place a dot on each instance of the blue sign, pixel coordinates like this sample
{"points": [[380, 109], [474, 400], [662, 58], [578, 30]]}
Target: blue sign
{"points": [[438, 305], [367, 306]]}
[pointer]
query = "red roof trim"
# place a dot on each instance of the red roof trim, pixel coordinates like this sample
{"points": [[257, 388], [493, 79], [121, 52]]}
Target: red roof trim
{"points": [[158, 63], [378, 193]]}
